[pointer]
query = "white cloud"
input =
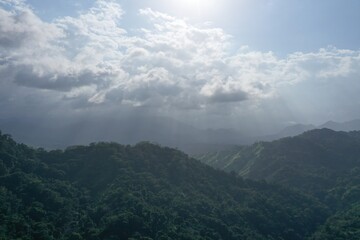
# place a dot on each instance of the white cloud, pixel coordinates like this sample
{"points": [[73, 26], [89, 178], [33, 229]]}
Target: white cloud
{"points": [[171, 64]]}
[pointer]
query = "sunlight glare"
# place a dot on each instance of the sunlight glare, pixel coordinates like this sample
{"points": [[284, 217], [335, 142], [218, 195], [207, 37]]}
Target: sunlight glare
{"points": [[194, 8]]}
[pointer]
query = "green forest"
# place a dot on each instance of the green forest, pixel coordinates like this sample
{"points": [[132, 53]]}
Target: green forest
{"points": [[306, 187], [322, 163]]}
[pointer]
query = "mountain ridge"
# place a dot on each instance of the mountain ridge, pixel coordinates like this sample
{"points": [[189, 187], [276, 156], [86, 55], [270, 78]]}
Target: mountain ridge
{"points": [[296, 129], [135, 128], [144, 191], [311, 161]]}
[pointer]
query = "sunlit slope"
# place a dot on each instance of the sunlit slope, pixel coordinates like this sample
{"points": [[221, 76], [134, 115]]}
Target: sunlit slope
{"points": [[309, 161]]}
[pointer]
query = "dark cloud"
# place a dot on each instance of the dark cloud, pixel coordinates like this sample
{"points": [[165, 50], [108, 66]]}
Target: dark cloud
{"points": [[224, 97], [26, 76]]}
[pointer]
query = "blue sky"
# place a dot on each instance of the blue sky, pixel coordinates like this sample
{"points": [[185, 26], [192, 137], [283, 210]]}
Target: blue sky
{"points": [[266, 25], [251, 65]]}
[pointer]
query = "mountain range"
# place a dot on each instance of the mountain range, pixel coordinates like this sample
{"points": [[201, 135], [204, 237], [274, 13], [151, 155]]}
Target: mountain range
{"points": [[322, 163], [134, 128], [302, 187], [297, 129], [145, 191], [316, 157]]}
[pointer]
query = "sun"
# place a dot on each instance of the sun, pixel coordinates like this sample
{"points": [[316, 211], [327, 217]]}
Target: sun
{"points": [[193, 3], [194, 8]]}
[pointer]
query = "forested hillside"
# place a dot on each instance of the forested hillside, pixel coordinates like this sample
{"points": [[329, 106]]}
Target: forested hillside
{"points": [[111, 191], [323, 163], [313, 161]]}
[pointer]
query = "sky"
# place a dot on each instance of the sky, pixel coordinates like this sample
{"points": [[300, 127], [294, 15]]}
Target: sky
{"points": [[255, 66]]}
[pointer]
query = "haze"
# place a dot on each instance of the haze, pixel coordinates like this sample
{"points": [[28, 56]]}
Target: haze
{"points": [[77, 72]]}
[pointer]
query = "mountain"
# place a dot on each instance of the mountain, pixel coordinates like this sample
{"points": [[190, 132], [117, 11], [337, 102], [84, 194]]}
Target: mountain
{"points": [[288, 131], [353, 125], [296, 129], [145, 191], [343, 225], [322, 163], [130, 128], [126, 130], [314, 162], [306, 161]]}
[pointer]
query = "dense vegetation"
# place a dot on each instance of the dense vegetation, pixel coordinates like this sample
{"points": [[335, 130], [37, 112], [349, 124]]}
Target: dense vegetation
{"points": [[322, 163], [111, 191]]}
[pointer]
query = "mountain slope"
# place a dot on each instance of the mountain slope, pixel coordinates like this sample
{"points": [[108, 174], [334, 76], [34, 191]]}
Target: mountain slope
{"points": [[352, 125], [343, 225], [297, 129], [313, 161], [288, 131], [111, 191], [323, 163]]}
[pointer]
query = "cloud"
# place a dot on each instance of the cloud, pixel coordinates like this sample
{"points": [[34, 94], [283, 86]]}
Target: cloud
{"points": [[54, 81], [223, 97], [92, 59], [20, 27]]}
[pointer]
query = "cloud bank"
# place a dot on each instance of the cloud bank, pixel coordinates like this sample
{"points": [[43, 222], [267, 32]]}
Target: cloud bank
{"points": [[92, 60]]}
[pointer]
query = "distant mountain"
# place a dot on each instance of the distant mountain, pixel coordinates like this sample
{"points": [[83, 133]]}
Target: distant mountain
{"points": [[129, 130], [288, 131], [211, 140], [113, 191], [353, 125], [132, 128], [297, 129], [312, 161]]}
